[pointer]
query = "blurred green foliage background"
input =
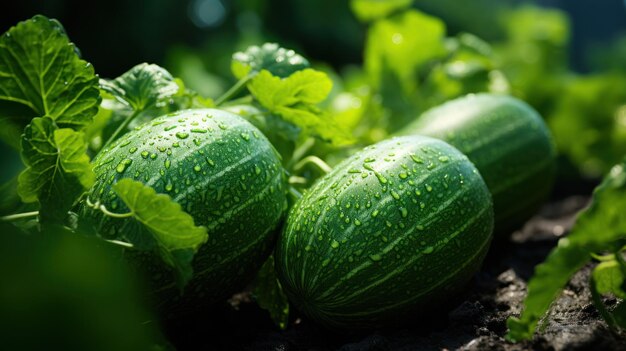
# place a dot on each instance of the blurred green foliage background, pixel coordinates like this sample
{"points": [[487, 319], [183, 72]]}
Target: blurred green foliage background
{"points": [[566, 58]]}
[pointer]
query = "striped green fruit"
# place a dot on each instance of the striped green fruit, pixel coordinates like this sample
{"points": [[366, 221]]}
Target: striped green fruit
{"points": [[508, 142], [395, 228], [223, 172]]}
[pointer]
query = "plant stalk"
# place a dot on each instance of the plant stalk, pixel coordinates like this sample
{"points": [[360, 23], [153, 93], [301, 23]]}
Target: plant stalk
{"points": [[234, 89], [119, 129], [17, 216]]}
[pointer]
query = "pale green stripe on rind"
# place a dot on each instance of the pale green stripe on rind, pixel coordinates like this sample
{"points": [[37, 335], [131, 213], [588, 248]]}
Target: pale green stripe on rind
{"points": [[479, 252], [425, 222]]}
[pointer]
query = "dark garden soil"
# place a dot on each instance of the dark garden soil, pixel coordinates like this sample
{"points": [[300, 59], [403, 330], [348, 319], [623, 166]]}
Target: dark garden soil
{"points": [[477, 321]]}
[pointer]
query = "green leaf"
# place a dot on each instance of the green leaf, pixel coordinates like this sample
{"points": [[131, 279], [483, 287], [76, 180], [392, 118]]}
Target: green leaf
{"points": [[142, 87], [279, 61], [619, 315], [269, 294], [609, 278], [294, 99], [370, 10], [601, 227], [41, 74], [402, 45], [545, 286], [175, 236], [113, 113], [58, 169]]}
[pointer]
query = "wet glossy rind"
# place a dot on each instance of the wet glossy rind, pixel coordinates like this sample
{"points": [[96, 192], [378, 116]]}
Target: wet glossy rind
{"points": [[397, 226], [508, 142], [223, 172]]}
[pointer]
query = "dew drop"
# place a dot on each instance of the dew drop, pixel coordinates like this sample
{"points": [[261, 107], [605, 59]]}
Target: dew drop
{"points": [[121, 167], [404, 212]]}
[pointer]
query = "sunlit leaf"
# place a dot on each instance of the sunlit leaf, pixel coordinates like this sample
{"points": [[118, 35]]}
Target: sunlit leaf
{"points": [[174, 234], [401, 45], [269, 294], [41, 74], [369, 10], [279, 61], [294, 99], [601, 227], [58, 168], [142, 87], [609, 278]]}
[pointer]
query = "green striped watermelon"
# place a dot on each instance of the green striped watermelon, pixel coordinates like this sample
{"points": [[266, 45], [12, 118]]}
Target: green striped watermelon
{"points": [[223, 172], [391, 230], [508, 142]]}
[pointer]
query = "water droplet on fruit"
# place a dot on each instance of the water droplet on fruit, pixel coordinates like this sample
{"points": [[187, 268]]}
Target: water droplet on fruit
{"points": [[376, 257], [416, 159], [181, 135], [121, 167], [404, 212]]}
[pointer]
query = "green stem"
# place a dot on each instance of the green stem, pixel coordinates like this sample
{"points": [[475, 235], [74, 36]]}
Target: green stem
{"points": [[235, 89], [103, 209], [297, 180], [314, 160], [597, 301], [119, 129], [247, 99], [299, 152], [294, 193], [17, 216]]}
